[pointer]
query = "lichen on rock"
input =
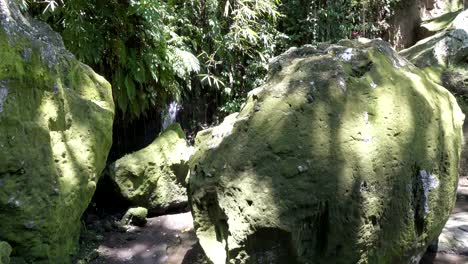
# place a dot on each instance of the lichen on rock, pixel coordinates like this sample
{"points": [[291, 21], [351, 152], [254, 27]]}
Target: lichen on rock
{"points": [[155, 176], [56, 119], [348, 154]]}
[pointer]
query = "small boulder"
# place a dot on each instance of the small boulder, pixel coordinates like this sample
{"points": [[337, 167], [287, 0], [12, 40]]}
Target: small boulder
{"points": [[135, 216], [348, 154], [154, 177]]}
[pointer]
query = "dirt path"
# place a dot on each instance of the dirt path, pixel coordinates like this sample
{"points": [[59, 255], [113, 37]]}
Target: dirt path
{"points": [[453, 242], [170, 239], [165, 239]]}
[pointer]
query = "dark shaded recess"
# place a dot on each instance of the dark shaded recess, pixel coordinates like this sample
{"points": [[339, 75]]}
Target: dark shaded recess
{"points": [[360, 70], [270, 245], [200, 109], [209, 203], [215, 212], [419, 201], [323, 220], [180, 171], [132, 135], [191, 257], [107, 199]]}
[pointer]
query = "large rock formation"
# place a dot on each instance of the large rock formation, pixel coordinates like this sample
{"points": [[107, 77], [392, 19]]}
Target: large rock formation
{"points": [[444, 58], [55, 133], [348, 154], [445, 48], [154, 177]]}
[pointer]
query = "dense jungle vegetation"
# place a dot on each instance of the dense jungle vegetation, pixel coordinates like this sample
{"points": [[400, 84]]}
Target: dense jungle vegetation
{"points": [[209, 52]]}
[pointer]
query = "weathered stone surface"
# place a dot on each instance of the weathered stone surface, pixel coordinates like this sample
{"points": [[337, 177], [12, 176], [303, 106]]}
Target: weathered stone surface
{"points": [[154, 177], [449, 47], [56, 119], [444, 58], [5, 251], [435, 25], [348, 154]]}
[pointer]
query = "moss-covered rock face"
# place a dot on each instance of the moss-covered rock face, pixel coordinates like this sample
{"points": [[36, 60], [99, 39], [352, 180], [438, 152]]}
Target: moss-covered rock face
{"points": [[348, 154], [444, 59], [5, 251], [449, 47], [444, 56], [56, 119], [135, 216], [154, 177]]}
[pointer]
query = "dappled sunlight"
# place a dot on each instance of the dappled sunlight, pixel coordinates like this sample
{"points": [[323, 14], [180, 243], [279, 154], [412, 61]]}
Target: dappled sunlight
{"points": [[339, 157], [137, 250], [50, 140], [345, 153], [440, 22]]}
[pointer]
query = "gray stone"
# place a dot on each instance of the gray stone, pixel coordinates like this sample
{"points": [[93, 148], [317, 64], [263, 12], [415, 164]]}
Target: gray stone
{"points": [[361, 174], [155, 176]]}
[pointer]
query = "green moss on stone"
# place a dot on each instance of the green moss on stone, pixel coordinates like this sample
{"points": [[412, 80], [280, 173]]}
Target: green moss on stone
{"points": [[154, 177], [348, 154], [135, 216], [442, 57], [56, 119]]}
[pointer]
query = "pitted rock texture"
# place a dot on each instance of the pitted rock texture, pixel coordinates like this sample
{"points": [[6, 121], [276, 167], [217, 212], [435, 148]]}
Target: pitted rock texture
{"points": [[155, 177], [444, 59], [348, 154], [56, 119]]}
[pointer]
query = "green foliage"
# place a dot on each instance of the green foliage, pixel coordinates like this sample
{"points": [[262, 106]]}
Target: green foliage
{"points": [[131, 44], [151, 50], [156, 51], [234, 41], [329, 21]]}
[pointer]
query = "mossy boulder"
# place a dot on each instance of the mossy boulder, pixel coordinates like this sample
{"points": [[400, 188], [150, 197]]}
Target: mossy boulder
{"points": [[348, 154], [5, 251], [56, 119], [135, 216], [444, 59], [154, 177]]}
